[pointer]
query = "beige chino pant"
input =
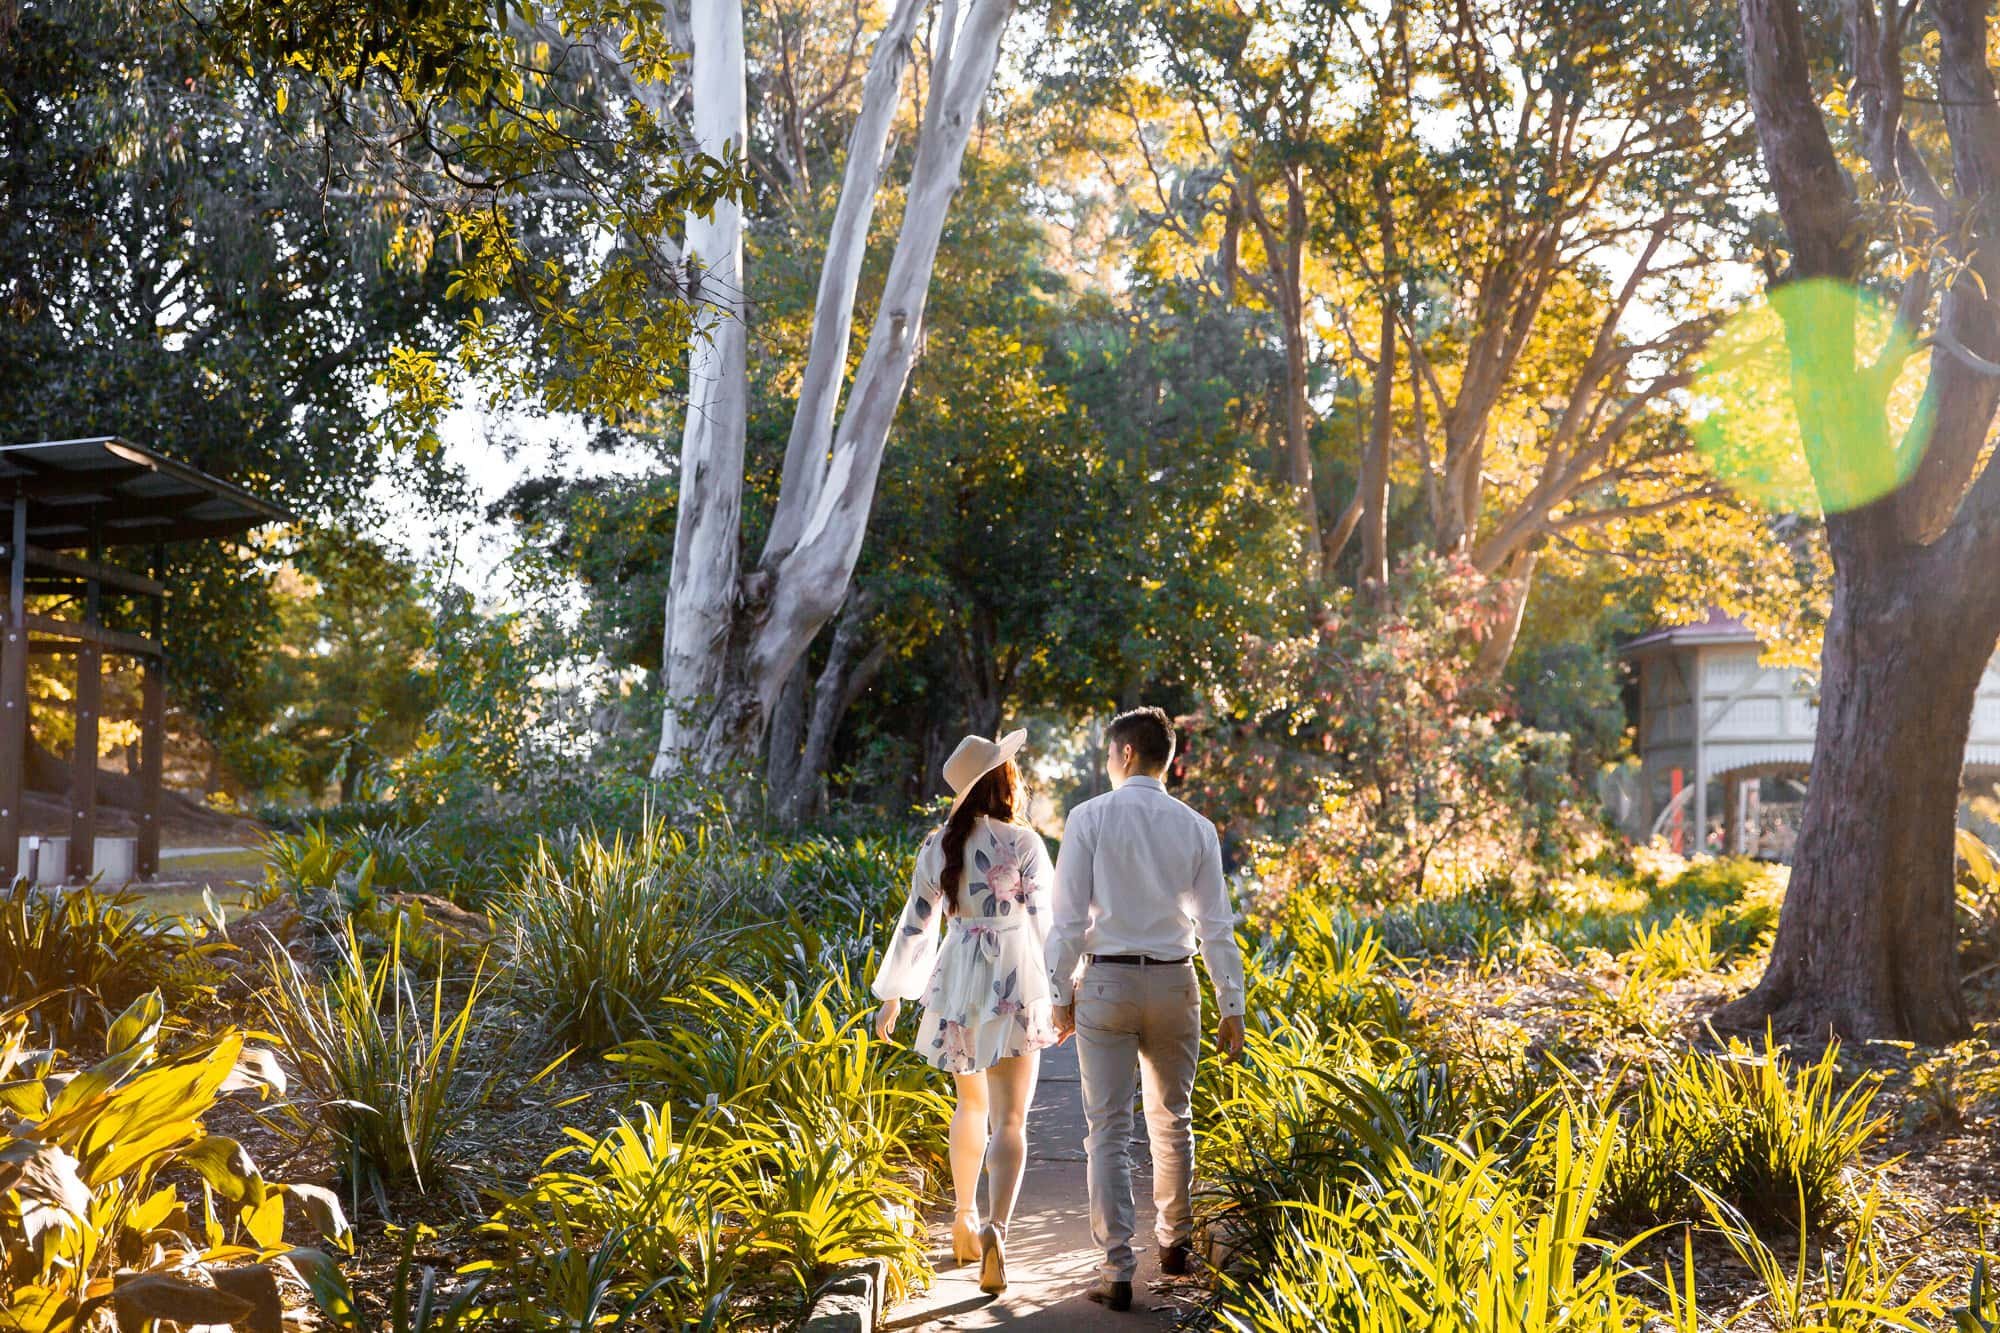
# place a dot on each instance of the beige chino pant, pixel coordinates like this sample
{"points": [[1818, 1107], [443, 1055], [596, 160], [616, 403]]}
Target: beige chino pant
{"points": [[1138, 1025]]}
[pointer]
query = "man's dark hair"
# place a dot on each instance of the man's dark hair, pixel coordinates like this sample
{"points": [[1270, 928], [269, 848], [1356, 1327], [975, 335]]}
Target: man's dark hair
{"points": [[1150, 733]]}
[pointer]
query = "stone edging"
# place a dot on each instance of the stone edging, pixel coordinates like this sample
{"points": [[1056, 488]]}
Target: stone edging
{"points": [[850, 1301]]}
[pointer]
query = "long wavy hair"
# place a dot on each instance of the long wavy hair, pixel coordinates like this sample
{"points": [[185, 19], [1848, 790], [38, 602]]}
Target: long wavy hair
{"points": [[998, 796]]}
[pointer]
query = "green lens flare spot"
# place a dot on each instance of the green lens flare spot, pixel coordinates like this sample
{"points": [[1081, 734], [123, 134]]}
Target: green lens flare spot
{"points": [[1810, 401]]}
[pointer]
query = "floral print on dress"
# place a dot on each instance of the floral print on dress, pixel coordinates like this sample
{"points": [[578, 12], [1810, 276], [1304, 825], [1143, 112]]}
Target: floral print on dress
{"points": [[982, 980]]}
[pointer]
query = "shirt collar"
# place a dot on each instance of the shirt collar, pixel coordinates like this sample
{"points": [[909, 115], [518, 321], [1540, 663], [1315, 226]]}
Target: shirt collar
{"points": [[1141, 780]]}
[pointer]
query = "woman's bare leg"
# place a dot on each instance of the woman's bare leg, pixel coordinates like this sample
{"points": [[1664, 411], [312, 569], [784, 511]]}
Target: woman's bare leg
{"points": [[1010, 1085], [968, 1140]]}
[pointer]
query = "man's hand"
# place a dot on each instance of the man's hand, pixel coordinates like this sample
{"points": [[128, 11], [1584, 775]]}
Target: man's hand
{"points": [[1229, 1037], [1064, 1017], [885, 1018]]}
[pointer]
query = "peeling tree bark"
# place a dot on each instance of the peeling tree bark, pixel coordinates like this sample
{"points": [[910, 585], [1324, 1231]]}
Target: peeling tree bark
{"points": [[729, 658], [701, 610]]}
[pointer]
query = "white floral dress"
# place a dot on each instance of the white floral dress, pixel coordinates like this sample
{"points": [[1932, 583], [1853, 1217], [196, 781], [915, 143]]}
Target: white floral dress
{"points": [[984, 985]]}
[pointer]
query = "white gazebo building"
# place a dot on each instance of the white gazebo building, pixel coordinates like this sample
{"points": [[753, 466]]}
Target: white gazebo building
{"points": [[1724, 739]]}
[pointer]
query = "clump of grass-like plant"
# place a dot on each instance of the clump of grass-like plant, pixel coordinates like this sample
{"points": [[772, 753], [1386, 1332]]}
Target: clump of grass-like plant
{"points": [[1775, 1142], [71, 958], [605, 932], [1321, 964], [1309, 1115], [382, 1058], [772, 1140], [1456, 1244]]}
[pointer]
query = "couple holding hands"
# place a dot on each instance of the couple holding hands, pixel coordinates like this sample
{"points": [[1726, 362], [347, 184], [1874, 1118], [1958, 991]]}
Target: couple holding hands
{"points": [[1100, 946]]}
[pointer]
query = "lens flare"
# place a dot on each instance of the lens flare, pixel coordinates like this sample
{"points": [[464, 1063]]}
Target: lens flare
{"points": [[1811, 401]]}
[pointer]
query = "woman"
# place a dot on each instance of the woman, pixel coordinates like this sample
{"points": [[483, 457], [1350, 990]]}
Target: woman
{"points": [[987, 878]]}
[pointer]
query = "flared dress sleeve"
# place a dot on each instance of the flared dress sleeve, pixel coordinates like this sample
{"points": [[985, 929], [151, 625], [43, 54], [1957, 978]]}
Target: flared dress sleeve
{"points": [[913, 949]]}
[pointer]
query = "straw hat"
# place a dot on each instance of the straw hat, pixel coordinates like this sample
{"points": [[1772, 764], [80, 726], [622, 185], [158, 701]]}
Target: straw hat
{"points": [[975, 757]]}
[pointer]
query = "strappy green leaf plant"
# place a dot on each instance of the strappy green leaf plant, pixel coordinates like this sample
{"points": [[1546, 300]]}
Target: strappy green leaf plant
{"points": [[385, 1068]]}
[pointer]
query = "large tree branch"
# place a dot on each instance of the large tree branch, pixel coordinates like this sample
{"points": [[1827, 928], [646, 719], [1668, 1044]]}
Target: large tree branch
{"points": [[813, 572], [840, 278], [1960, 398], [1815, 197]]}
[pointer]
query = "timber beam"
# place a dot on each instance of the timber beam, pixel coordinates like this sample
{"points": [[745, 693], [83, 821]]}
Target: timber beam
{"points": [[95, 636], [78, 570]]}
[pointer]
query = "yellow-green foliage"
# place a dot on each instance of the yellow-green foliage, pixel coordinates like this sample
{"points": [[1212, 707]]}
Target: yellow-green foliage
{"points": [[1453, 1245], [87, 1222], [381, 1057], [784, 1140], [1748, 1128], [604, 931], [72, 957], [1734, 901], [1349, 1183], [1312, 961], [1680, 947]]}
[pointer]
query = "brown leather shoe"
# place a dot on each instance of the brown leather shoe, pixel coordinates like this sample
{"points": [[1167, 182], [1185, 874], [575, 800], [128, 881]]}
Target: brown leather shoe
{"points": [[1113, 1295], [1177, 1260]]}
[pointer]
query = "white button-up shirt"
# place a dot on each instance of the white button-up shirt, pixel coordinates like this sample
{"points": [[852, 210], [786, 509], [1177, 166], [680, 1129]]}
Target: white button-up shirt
{"points": [[1141, 873]]}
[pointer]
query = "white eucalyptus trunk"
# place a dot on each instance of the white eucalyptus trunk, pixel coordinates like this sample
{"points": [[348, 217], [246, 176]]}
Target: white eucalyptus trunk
{"points": [[701, 603], [740, 635]]}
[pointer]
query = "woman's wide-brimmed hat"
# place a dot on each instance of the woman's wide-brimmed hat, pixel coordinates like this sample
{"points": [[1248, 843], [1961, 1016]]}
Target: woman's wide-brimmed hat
{"points": [[975, 757]]}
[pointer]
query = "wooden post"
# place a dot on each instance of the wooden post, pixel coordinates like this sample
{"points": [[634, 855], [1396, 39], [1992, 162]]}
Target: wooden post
{"points": [[14, 697], [152, 743], [152, 737], [1699, 801], [83, 757], [1732, 815]]}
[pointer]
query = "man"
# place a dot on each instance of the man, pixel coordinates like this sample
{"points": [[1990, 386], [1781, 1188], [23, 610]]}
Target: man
{"points": [[1138, 887]]}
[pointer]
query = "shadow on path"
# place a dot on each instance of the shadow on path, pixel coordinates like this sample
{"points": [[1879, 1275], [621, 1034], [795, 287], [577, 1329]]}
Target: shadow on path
{"points": [[1051, 1263]]}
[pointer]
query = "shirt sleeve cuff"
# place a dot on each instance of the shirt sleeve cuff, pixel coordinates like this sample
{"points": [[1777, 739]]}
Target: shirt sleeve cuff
{"points": [[1229, 1006]]}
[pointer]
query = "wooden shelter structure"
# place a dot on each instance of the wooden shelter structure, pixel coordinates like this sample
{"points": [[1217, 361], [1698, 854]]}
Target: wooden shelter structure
{"points": [[1714, 719], [63, 505]]}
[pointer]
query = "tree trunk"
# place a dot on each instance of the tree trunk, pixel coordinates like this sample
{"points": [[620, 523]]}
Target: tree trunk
{"points": [[744, 636], [1867, 942], [788, 726], [350, 773], [1286, 259], [1373, 580], [1374, 577], [702, 596], [1516, 584], [848, 671]]}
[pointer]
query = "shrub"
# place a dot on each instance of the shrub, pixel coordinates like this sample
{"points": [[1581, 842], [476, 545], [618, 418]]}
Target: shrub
{"points": [[1308, 1116], [800, 1146], [1774, 1143], [72, 957], [1455, 1245], [1377, 762], [1314, 962], [381, 1063], [114, 1194], [1680, 947], [632, 1219], [605, 933]]}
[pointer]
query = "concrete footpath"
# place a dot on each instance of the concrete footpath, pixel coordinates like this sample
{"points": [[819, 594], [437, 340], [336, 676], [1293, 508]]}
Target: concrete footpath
{"points": [[1050, 1261]]}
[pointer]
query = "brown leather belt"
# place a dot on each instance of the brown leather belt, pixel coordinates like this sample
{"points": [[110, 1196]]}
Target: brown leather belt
{"points": [[1135, 960]]}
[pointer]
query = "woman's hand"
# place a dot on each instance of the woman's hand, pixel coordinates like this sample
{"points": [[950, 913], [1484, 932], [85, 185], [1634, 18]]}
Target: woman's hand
{"points": [[885, 1018]]}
